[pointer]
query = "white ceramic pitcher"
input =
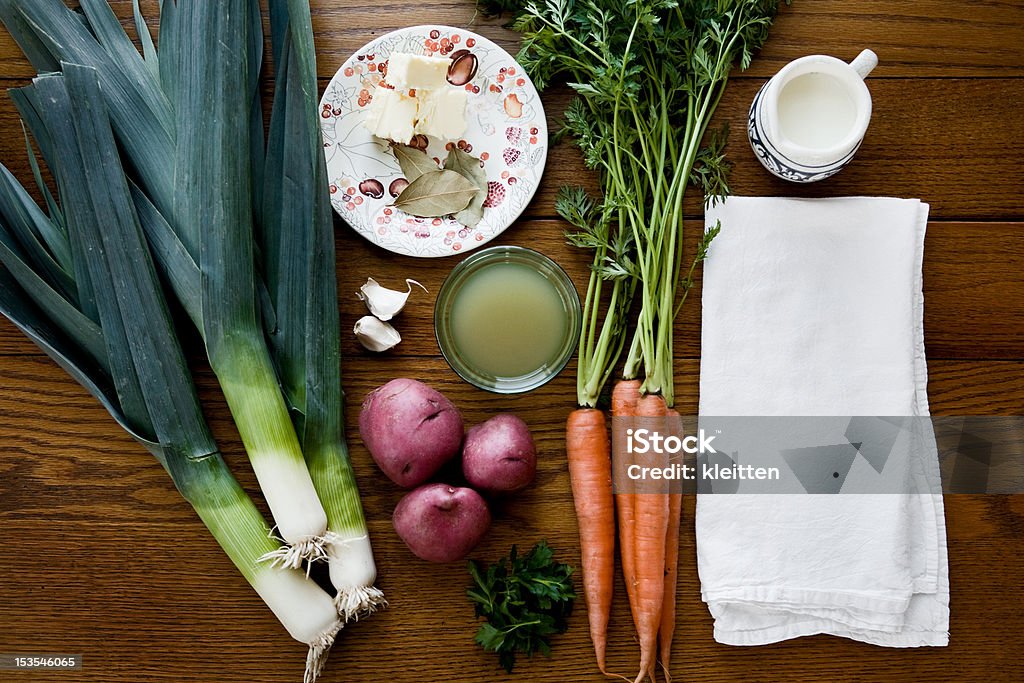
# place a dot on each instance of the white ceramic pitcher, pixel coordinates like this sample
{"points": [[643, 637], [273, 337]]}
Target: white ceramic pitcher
{"points": [[795, 152]]}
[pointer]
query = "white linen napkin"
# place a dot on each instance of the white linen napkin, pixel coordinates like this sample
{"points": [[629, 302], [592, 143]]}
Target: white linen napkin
{"points": [[814, 307]]}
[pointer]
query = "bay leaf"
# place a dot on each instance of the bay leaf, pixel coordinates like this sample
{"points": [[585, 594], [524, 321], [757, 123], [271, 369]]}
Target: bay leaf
{"points": [[437, 193], [468, 166], [414, 162]]}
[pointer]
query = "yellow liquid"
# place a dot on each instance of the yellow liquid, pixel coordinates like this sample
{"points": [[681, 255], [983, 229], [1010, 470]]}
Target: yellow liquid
{"points": [[508, 320]]}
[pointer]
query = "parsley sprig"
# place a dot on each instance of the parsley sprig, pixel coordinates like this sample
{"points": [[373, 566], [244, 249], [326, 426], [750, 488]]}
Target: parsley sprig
{"points": [[524, 600]]}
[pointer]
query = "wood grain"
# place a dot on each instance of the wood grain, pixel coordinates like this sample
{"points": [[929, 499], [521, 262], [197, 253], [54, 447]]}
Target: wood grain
{"points": [[924, 38], [102, 557], [920, 144], [974, 293], [126, 561]]}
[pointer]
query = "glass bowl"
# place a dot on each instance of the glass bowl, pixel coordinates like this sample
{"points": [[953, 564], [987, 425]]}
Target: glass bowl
{"points": [[464, 273]]}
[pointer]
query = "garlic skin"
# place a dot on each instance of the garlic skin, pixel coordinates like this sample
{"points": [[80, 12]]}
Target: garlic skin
{"points": [[383, 302], [375, 335]]}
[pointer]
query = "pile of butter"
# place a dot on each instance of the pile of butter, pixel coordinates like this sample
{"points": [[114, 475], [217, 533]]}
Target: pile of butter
{"points": [[419, 101]]}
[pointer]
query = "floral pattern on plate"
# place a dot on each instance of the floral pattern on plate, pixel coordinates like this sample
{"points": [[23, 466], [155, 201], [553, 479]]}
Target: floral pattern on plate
{"points": [[506, 128]]}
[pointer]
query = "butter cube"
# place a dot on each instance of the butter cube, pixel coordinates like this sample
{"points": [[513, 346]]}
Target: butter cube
{"points": [[415, 72], [442, 113], [392, 115]]}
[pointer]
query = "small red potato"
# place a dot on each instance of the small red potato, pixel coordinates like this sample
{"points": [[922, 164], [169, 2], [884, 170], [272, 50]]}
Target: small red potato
{"points": [[410, 429], [441, 523], [499, 455]]}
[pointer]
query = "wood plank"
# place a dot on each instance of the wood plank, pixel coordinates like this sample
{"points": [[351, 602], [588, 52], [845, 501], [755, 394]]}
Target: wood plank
{"points": [[919, 145], [923, 38], [127, 562], [104, 558], [52, 429], [973, 279]]}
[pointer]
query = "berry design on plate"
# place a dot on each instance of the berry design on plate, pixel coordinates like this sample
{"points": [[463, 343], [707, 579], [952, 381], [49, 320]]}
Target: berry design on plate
{"points": [[495, 195], [514, 134], [420, 142], [511, 155], [513, 107], [463, 67], [397, 185], [372, 188]]}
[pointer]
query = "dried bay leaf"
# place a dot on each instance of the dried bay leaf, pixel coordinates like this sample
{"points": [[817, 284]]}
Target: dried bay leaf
{"points": [[437, 193], [414, 162], [468, 167]]}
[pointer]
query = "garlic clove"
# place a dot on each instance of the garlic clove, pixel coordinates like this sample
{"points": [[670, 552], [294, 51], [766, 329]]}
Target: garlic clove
{"points": [[383, 302], [376, 335]]}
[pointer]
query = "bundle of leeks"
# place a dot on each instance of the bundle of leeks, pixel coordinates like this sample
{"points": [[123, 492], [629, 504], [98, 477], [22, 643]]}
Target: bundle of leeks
{"points": [[208, 197], [80, 282]]}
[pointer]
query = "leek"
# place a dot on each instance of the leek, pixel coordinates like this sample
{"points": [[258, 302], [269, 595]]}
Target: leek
{"points": [[197, 158], [299, 269], [105, 320], [214, 194]]}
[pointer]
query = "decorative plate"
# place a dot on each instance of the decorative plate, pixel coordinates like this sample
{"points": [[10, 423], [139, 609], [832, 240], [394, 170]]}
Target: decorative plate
{"points": [[506, 129]]}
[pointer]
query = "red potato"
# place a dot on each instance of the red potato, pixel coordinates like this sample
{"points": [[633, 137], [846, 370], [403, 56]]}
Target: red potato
{"points": [[441, 523], [410, 429], [499, 455]]}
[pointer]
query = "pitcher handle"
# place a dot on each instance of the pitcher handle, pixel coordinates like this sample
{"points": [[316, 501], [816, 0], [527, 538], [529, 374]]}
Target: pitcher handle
{"points": [[865, 62]]}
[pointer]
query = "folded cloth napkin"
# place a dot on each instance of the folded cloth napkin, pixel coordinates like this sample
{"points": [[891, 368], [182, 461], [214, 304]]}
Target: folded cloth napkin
{"points": [[814, 308]]}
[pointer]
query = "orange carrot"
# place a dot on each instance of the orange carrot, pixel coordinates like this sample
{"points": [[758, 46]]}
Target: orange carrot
{"points": [[668, 609], [651, 528], [625, 397], [590, 471]]}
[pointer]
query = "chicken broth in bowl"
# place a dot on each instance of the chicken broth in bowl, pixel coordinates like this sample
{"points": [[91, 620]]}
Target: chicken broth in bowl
{"points": [[507, 319]]}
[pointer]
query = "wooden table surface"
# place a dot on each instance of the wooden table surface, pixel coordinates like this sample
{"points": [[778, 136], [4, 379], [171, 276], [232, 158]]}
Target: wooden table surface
{"points": [[101, 556]]}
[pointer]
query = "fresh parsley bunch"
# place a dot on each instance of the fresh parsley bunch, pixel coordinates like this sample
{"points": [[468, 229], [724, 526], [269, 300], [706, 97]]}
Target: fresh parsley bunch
{"points": [[524, 600]]}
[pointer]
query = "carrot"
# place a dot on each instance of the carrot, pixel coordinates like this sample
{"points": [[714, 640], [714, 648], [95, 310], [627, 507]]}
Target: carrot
{"points": [[590, 471], [651, 528], [625, 397], [668, 609]]}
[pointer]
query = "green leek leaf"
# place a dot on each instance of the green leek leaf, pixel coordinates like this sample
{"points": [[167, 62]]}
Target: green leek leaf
{"points": [[149, 52], [32, 228], [91, 215], [15, 304], [59, 244]]}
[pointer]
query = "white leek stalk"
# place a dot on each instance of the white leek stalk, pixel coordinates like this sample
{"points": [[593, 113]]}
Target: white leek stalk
{"points": [[305, 610], [266, 429], [347, 543], [299, 258]]}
